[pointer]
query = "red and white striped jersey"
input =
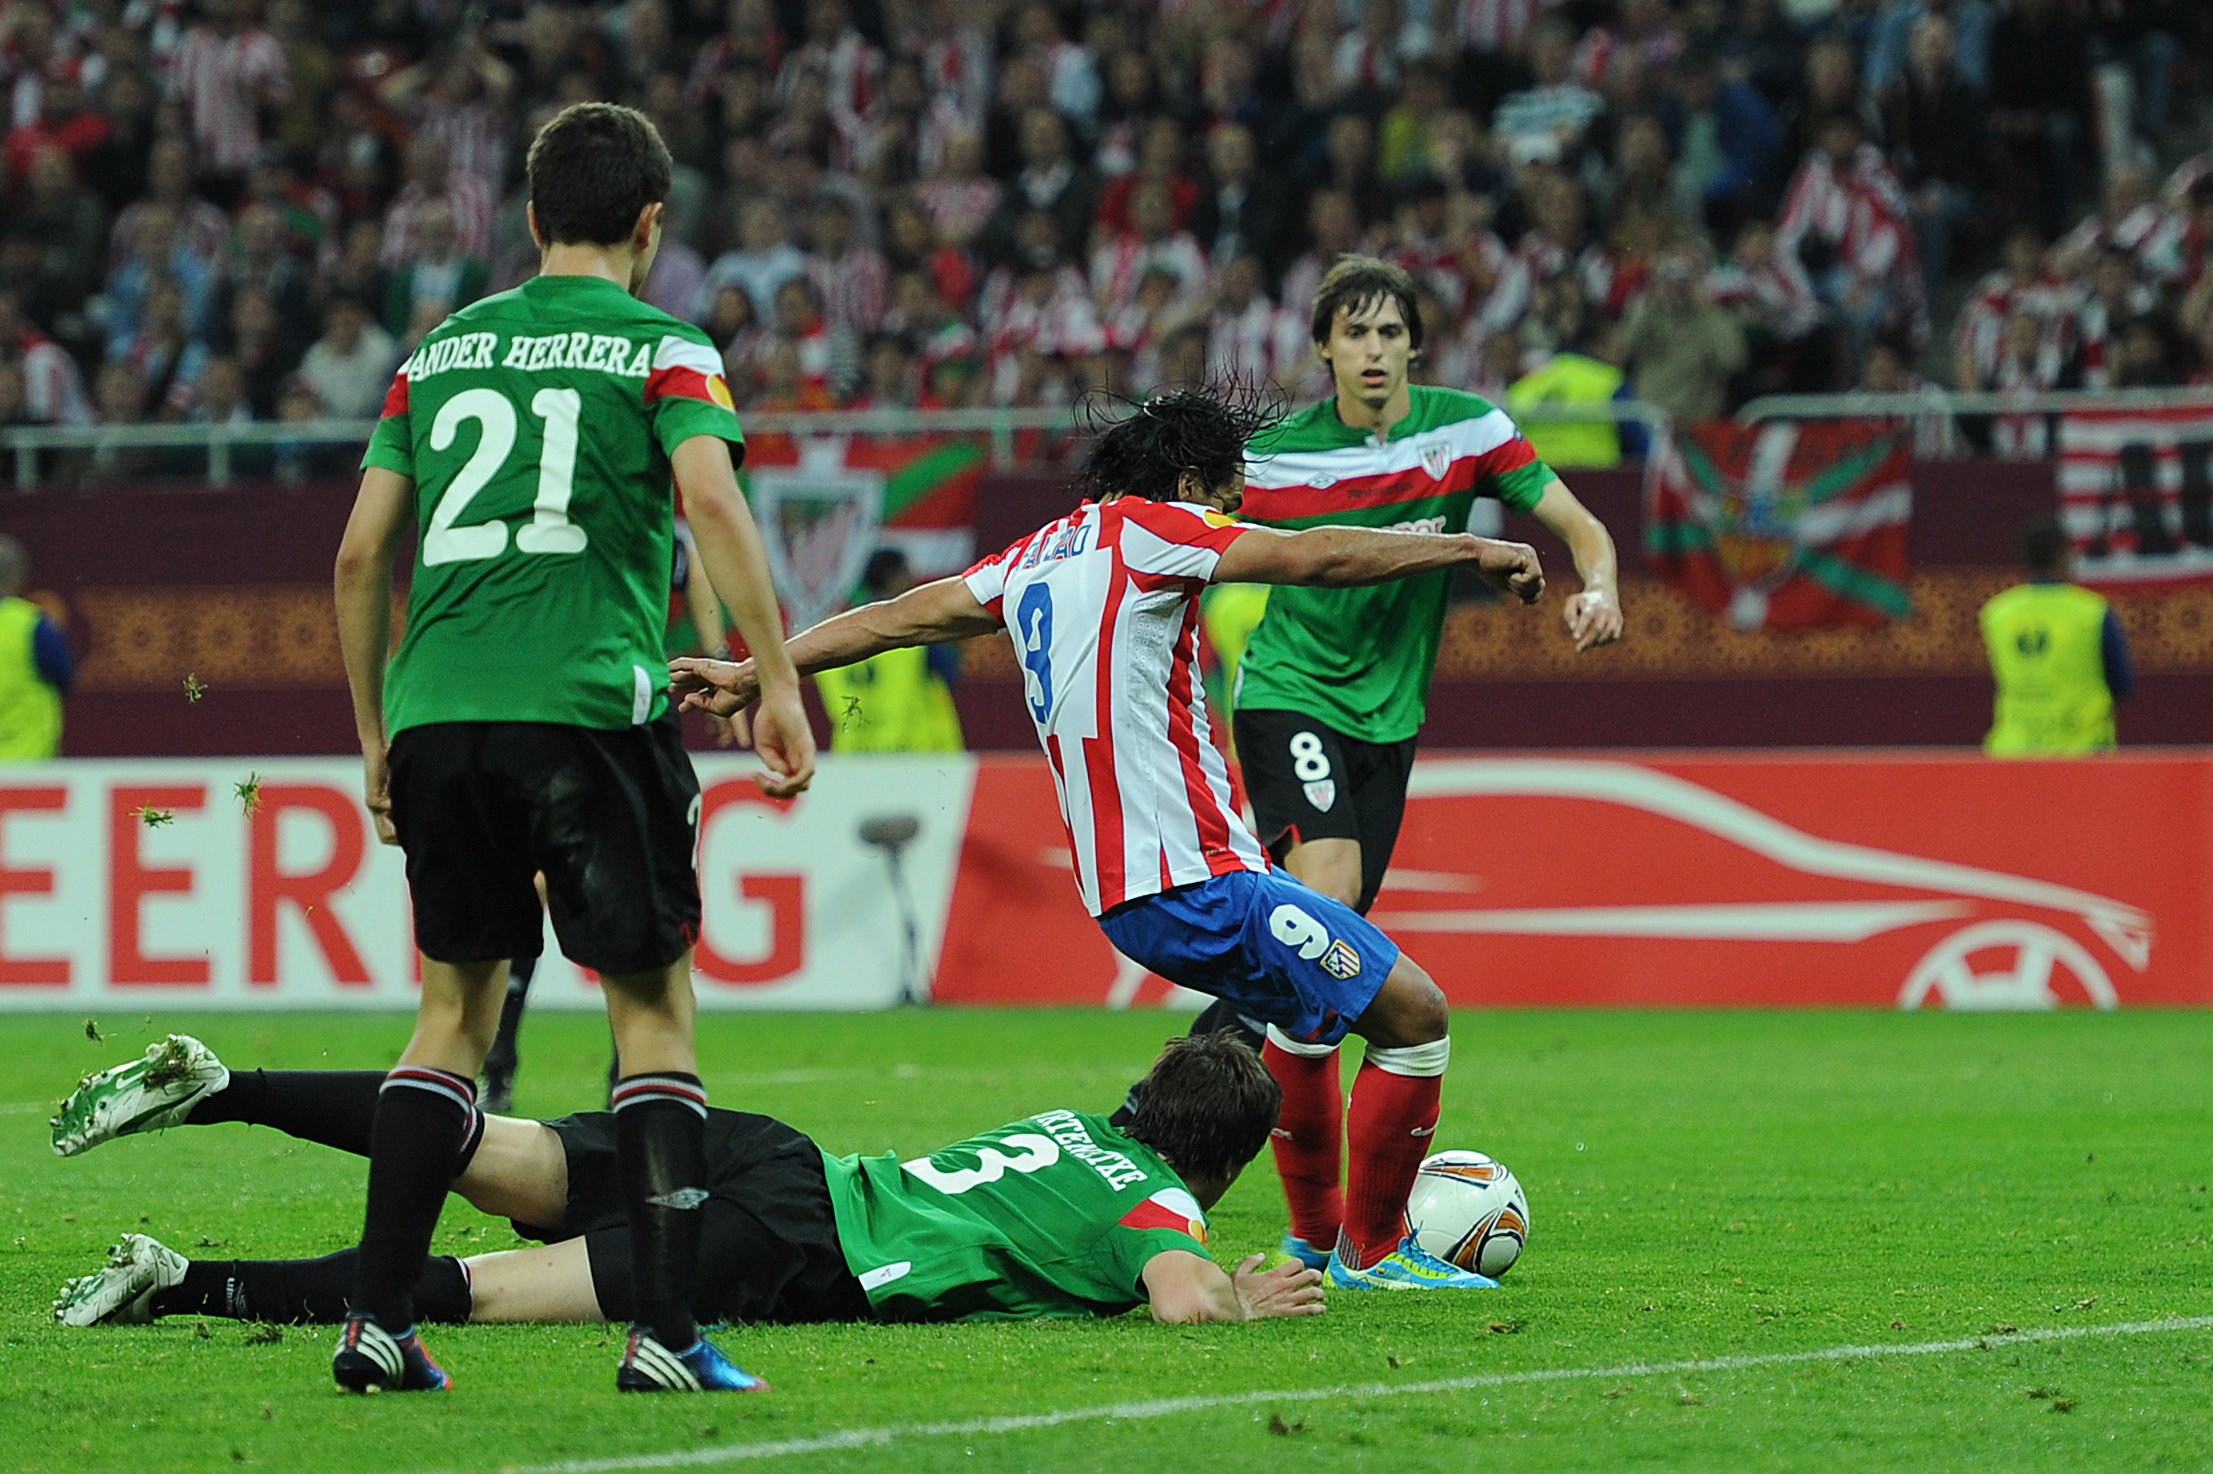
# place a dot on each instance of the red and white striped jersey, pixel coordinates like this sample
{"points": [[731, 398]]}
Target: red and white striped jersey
{"points": [[222, 82], [1103, 606]]}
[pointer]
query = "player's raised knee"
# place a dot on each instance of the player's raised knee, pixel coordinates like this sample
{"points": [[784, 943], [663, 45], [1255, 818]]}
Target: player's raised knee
{"points": [[1409, 1009]]}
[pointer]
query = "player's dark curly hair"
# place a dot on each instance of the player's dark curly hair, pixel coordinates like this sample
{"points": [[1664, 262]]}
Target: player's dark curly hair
{"points": [[1147, 450], [1207, 1106]]}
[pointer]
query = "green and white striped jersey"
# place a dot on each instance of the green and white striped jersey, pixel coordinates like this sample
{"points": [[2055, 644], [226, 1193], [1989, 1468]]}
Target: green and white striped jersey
{"points": [[1361, 659]]}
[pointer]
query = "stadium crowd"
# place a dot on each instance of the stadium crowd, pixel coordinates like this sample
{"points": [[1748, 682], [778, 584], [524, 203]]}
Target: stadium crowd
{"points": [[224, 210]]}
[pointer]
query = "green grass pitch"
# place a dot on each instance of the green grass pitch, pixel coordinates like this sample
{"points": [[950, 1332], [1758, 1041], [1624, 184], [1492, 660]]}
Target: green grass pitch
{"points": [[1703, 1186]]}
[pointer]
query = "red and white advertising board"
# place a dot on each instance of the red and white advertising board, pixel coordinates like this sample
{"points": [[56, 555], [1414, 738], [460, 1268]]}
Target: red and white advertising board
{"points": [[1749, 880], [295, 904]]}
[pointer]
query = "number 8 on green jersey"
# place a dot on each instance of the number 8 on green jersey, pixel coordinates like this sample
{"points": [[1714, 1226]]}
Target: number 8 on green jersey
{"points": [[537, 426]]}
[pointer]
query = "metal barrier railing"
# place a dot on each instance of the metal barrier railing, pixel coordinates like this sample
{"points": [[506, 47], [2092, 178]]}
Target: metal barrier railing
{"points": [[1945, 402], [220, 443]]}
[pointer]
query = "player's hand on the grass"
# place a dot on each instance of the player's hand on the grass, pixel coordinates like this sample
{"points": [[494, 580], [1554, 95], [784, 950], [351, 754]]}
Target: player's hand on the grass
{"points": [[786, 743], [1513, 567], [1288, 1289], [1594, 619], [376, 790]]}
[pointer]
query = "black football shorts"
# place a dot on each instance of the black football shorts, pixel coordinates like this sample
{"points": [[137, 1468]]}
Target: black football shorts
{"points": [[1309, 781], [607, 816], [768, 1246]]}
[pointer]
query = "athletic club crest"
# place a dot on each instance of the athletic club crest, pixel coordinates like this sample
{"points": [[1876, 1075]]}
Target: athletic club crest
{"points": [[818, 525], [1437, 459], [1322, 793]]}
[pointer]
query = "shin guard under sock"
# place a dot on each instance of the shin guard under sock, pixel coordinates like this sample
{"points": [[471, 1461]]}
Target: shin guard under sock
{"points": [[1393, 1118], [661, 1146], [335, 1108], [303, 1291], [1309, 1135], [424, 1120]]}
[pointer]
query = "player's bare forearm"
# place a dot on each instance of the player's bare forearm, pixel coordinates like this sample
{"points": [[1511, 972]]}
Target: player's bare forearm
{"points": [[1184, 1288], [1352, 557], [931, 614], [362, 584], [731, 555], [1594, 615]]}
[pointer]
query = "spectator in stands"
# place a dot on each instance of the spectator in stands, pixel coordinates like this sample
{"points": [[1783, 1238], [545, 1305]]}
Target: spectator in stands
{"points": [[439, 280], [222, 394], [431, 180], [1348, 150], [164, 352], [1051, 180], [227, 72], [1151, 240], [70, 225], [1847, 217], [1681, 349], [1786, 341], [892, 381], [1409, 129], [1890, 50], [2023, 284], [158, 256], [763, 260], [911, 244], [312, 71], [53, 387], [1045, 339], [786, 384], [851, 279], [1933, 120], [1160, 158], [734, 326], [2118, 296], [1831, 86], [116, 168], [349, 369], [1727, 143], [960, 198], [2133, 219], [1248, 338], [828, 354], [2040, 104], [197, 227], [36, 668]]}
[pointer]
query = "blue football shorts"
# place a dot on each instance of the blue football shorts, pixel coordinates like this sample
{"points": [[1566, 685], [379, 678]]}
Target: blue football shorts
{"points": [[1281, 952]]}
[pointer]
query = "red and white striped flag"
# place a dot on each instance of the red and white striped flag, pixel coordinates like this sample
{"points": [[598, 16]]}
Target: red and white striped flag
{"points": [[2136, 494]]}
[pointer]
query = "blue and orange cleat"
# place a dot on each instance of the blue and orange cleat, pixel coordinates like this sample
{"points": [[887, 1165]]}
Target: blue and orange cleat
{"points": [[648, 1366], [1408, 1267], [371, 1359]]}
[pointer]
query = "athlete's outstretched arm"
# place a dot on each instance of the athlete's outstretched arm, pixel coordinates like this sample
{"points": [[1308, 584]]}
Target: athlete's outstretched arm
{"points": [[1186, 1287], [737, 570], [1349, 557], [1594, 615], [363, 584], [928, 614]]}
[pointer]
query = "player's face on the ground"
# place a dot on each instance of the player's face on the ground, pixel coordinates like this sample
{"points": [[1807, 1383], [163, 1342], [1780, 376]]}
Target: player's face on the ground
{"points": [[1227, 497], [1368, 351]]}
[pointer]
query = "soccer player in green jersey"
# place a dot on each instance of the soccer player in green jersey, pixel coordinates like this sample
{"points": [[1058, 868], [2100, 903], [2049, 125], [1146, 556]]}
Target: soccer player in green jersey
{"points": [[1331, 691], [522, 728], [1058, 1214]]}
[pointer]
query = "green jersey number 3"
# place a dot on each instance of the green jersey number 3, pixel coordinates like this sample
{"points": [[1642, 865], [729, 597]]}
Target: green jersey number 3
{"points": [[549, 529]]}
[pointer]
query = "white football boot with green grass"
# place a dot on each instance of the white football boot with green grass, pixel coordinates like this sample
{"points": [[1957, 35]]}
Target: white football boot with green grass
{"points": [[123, 1293], [148, 1094]]}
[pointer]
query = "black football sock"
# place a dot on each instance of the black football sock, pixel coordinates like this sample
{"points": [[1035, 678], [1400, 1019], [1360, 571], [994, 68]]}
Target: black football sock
{"points": [[425, 1119], [303, 1291], [503, 1059], [661, 1143], [329, 1107]]}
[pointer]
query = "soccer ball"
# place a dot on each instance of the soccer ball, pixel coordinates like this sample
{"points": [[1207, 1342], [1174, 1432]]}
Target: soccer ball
{"points": [[1469, 1211]]}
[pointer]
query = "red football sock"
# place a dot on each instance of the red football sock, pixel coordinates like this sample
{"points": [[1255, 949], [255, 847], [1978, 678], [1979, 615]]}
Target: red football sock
{"points": [[1394, 1116], [1309, 1141]]}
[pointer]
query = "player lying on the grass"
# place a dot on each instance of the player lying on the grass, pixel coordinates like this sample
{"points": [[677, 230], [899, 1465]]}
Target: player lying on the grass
{"points": [[1103, 605], [1058, 1214]]}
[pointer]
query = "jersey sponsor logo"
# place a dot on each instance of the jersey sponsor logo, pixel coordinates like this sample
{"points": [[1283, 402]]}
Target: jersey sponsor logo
{"points": [[1068, 1130], [590, 352], [1341, 962], [1170, 1208], [1322, 794], [1321, 481]]}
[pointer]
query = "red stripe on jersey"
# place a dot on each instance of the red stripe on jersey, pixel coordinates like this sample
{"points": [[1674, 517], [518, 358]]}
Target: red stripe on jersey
{"points": [[1354, 493], [395, 398], [1183, 732], [1098, 752], [679, 382]]}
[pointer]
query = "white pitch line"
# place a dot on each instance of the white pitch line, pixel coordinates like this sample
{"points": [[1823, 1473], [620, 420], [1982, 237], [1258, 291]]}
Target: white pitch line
{"points": [[1170, 1406]]}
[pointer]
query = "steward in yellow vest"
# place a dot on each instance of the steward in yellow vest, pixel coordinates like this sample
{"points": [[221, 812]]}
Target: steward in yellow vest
{"points": [[901, 700], [35, 668], [2059, 656], [1569, 378]]}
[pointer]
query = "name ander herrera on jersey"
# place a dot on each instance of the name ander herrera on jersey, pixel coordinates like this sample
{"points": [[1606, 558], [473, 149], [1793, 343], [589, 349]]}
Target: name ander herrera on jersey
{"points": [[614, 355]]}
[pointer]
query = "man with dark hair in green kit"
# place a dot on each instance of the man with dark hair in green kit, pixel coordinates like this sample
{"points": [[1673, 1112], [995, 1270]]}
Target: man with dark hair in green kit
{"points": [[522, 728]]}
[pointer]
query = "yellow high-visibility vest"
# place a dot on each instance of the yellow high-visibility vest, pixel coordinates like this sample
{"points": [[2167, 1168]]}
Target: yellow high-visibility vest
{"points": [[30, 710], [2047, 651], [891, 702], [1569, 378]]}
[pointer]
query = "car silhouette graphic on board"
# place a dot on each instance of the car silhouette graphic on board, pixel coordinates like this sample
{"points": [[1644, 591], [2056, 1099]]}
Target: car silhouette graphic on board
{"points": [[1679, 893]]}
